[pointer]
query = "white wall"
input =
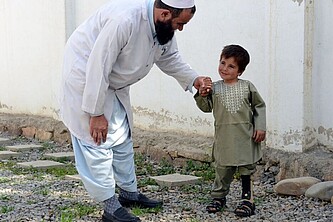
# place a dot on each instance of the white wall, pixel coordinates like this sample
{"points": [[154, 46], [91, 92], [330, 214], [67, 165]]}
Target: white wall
{"points": [[323, 72], [33, 34], [274, 39], [285, 52], [31, 43], [201, 42], [78, 10]]}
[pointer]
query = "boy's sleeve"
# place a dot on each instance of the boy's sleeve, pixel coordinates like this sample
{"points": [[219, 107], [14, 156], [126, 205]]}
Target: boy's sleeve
{"points": [[259, 109], [205, 104]]}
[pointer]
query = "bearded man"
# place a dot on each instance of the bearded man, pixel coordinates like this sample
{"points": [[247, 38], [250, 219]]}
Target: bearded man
{"points": [[113, 49]]}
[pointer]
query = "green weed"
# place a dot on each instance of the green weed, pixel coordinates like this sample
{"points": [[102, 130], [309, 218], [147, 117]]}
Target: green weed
{"points": [[4, 197], [204, 170], [48, 145], [165, 167], [4, 180], [141, 211], [142, 182], [69, 213], [6, 209], [62, 171]]}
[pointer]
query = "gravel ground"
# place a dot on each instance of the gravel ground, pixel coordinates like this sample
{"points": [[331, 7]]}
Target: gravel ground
{"points": [[40, 196]]}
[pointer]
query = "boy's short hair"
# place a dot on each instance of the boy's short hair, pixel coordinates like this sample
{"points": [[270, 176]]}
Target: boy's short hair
{"points": [[240, 54]]}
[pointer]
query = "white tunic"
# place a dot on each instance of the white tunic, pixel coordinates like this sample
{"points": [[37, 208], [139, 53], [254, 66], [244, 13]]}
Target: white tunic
{"points": [[113, 49]]}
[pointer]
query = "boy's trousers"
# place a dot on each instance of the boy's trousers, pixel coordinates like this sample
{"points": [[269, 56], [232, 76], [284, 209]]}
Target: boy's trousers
{"points": [[224, 175]]}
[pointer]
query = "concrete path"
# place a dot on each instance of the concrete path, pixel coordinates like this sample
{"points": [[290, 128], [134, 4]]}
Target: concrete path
{"points": [[11, 152]]}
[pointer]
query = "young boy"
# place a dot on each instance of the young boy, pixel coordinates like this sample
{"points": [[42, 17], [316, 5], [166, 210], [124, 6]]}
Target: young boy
{"points": [[240, 125]]}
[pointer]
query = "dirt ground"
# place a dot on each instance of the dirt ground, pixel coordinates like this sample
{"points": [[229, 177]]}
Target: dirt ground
{"points": [[180, 147]]}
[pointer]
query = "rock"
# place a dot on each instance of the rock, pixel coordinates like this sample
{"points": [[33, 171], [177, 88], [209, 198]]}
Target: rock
{"points": [[295, 186], [43, 135], [323, 191], [328, 177], [315, 162], [29, 132]]}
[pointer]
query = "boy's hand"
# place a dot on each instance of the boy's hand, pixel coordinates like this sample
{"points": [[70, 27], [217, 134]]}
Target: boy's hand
{"points": [[259, 136], [203, 85]]}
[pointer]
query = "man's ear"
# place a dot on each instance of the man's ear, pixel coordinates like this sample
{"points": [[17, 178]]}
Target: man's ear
{"points": [[166, 15]]}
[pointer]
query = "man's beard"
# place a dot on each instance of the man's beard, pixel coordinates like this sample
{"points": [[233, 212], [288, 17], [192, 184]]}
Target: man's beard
{"points": [[164, 31]]}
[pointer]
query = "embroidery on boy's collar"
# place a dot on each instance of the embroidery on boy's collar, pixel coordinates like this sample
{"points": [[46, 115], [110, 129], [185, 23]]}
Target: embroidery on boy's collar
{"points": [[232, 97]]}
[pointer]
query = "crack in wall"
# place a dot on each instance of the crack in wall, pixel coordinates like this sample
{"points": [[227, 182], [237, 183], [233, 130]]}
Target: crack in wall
{"points": [[328, 133], [299, 2], [166, 117], [4, 106]]}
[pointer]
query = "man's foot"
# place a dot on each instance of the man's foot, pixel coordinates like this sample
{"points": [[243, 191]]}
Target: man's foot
{"points": [[120, 215], [142, 201]]}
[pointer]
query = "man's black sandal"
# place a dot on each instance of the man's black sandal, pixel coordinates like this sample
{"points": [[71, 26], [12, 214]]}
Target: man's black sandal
{"points": [[245, 209], [120, 215], [216, 205], [142, 201]]}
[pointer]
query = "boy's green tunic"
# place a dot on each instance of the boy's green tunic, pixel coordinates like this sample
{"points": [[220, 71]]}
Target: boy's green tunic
{"points": [[238, 111]]}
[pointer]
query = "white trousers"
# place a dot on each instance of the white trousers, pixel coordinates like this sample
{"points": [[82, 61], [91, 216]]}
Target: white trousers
{"points": [[103, 167]]}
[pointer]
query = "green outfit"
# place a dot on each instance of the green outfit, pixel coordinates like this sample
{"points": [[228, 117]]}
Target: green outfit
{"points": [[238, 111]]}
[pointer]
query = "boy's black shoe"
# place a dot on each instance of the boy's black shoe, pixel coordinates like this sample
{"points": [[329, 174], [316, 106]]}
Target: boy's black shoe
{"points": [[142, 201], [120, 215]]}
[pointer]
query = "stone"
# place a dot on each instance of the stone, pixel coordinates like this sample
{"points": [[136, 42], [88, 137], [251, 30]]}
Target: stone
{"points": [[5, 155], [316, 162], [43, 135], [60, 155], [75, 177], [27, 147], [173, 153], [328, 177], [154, 153], [29, 132], [4, 141], [322, 191], [192, 153], [295, 186], [41, 164], [176, 179], [61, 134]]}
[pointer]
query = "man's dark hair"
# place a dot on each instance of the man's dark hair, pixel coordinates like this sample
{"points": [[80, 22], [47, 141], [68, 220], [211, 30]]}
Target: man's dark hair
{"points": [[175, 12], [240, 54]]}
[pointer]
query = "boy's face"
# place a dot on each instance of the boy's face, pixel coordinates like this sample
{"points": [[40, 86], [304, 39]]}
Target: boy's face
{"points": [[228, 70]]}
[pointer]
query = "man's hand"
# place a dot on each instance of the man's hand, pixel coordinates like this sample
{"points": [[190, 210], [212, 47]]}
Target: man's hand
{"points": [[259, 136], [98, 129], [203, 84]]}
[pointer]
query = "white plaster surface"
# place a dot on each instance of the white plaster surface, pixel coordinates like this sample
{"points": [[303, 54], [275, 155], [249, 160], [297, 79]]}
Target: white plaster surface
{"points": [[33, 34]]}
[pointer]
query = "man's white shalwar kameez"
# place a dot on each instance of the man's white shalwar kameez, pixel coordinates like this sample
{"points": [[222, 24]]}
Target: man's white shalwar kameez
{"points": [[100, 166], [111, 50]]}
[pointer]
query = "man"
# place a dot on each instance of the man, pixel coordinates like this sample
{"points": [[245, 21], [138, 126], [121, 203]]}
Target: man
{"points": [[113, 49]]}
